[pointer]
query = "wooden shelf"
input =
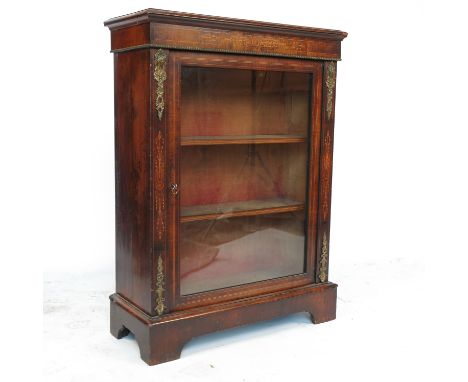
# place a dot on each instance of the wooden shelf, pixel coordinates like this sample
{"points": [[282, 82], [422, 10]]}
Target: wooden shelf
{"points": [[237, 209], [207, 140]]}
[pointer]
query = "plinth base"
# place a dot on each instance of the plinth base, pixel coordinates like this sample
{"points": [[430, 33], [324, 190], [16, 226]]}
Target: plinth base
{"points": [[162, 338]]}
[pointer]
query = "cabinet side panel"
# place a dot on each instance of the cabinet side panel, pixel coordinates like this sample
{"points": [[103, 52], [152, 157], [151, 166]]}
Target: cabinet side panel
{"points": [[134, 35], [133, 192]]}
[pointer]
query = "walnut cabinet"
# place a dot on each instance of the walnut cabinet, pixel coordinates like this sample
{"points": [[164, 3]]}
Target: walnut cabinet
{"points": [[223, 150]]}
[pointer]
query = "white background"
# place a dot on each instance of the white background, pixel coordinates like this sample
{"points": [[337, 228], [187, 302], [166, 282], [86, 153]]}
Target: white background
{"points": [[399, 242]]}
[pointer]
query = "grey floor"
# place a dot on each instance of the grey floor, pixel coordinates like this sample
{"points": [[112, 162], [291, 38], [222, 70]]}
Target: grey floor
{"points": [[380, 332]]}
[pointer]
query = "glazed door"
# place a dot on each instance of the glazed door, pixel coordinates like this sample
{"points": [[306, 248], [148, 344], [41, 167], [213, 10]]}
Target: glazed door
{"points": [[246, 181]]}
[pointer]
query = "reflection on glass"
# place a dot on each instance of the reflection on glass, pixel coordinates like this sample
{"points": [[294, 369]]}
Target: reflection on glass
{"points": [[241, 177], [244, 138], [227, 252], [234, 102]]}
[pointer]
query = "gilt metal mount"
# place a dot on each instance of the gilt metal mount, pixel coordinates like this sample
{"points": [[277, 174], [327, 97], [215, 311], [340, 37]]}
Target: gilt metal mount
{"points": [[160, 76]]}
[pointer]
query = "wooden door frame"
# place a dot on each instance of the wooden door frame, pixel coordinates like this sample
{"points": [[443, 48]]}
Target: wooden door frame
{"points": [[176, 60]]}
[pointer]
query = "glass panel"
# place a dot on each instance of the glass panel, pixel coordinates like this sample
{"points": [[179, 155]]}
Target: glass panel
{"points": [[226, 103], [244, 139], [226, 252]]}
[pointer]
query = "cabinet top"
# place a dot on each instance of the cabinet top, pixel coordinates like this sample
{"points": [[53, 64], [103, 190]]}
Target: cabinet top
{"points": [[156, 28], [227, 23]]}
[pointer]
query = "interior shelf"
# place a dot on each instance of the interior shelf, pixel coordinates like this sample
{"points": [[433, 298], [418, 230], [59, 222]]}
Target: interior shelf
{"points": [[243, 208], [241, 139]]}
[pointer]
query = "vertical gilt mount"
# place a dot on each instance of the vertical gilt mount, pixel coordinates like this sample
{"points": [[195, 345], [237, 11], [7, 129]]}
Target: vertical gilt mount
{"points": [[323, 269], [160, 76], [160, 287], [330, 82]]}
